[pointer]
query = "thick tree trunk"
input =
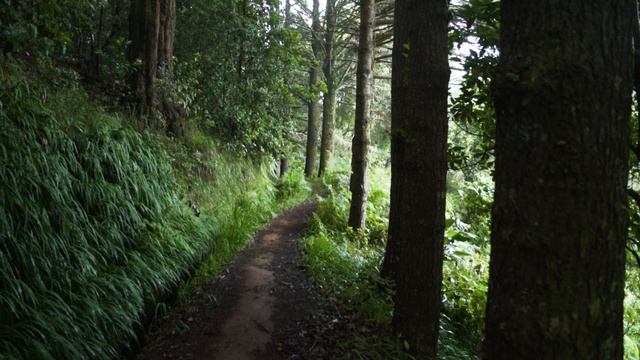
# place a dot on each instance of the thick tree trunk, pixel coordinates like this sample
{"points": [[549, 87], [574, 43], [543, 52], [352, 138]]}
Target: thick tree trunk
{"points": [[636, 67], [559, 224], [329, 101], [418, 170], [361, 136], [152, 32], [313, 121]]}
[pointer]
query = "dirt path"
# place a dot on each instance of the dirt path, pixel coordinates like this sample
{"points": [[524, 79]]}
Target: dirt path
{"points": [[261, 307]]}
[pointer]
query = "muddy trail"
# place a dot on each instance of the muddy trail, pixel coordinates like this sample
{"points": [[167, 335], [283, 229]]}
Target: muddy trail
{"points": [[261, 307]]}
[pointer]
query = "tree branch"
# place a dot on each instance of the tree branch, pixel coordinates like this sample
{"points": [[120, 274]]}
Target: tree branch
{"points": [[633, 252]]}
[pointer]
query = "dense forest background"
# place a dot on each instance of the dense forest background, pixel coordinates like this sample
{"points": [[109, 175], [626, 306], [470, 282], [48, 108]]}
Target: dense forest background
{"points": [[143, 141]]}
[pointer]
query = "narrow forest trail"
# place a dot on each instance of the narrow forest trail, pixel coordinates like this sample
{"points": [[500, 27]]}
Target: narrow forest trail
{"points": [[261, 307]]}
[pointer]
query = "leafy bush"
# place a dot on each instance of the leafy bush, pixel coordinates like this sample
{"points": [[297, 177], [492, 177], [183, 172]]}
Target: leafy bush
{"points": [[464, 290], [345, 264], [632, 314]]}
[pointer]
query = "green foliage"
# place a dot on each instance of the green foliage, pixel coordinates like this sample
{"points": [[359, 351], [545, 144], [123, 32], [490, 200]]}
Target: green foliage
{"points": [[632, 315], [237, 77], [475, 32], [344, 270], [291, 184], [464, 299], [345, 264], [466, 265], [94, 222], [40, 27]]}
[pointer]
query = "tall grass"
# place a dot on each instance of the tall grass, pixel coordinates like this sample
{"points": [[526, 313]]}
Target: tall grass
{"points": [[94, 222]]}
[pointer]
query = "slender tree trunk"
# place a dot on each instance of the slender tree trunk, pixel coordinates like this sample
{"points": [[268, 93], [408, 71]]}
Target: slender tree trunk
{"points": [[152, 32], [284, 165], [361, 137], [418, 170], [96, 45], [284, 158], [241, 54], [559, 223], [287, 14], [313, 122], [329, 101], [143, 53]]}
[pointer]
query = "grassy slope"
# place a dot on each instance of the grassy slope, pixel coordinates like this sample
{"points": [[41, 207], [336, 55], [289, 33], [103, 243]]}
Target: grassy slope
{"points": [[94, 222]]}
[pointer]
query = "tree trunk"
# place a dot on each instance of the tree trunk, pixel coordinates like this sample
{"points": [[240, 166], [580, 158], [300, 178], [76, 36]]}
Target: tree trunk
{"points": [[329, 101], [636, 67], [559, 222], [313, 122], [287, 14], [284, 158], [152, 32], [284, 165], [361, 137], [241, 53], [414, 251]]}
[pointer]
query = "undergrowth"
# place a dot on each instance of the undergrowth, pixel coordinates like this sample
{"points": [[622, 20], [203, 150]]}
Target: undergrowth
{"points": [[95, 223], [346, 265]]}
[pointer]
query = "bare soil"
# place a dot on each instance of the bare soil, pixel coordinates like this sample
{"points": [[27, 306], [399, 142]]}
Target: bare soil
{"points": [[261, 307]]}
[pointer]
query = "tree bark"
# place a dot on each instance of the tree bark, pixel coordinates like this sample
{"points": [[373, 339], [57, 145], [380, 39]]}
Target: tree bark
{"points": [[329, 101], [414, 252], [313, 121], [287, 14], [559, 221], [361, 136], [284, 166], [284, 158], [241, 53], [152, 32], [636, 69]]}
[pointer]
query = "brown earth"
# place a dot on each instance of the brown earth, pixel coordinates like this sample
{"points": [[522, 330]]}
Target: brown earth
{"points": [[261, 307]]}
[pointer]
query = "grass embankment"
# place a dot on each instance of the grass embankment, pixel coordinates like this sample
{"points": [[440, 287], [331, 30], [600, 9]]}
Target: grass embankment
{"points": [[95, 224]]}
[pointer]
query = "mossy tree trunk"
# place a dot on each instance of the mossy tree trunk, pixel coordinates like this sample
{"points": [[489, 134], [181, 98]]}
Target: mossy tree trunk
{"points": [[414, 253], [313, 120], [361, 133], [152, 32], [329, 101], [559, 221]]}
